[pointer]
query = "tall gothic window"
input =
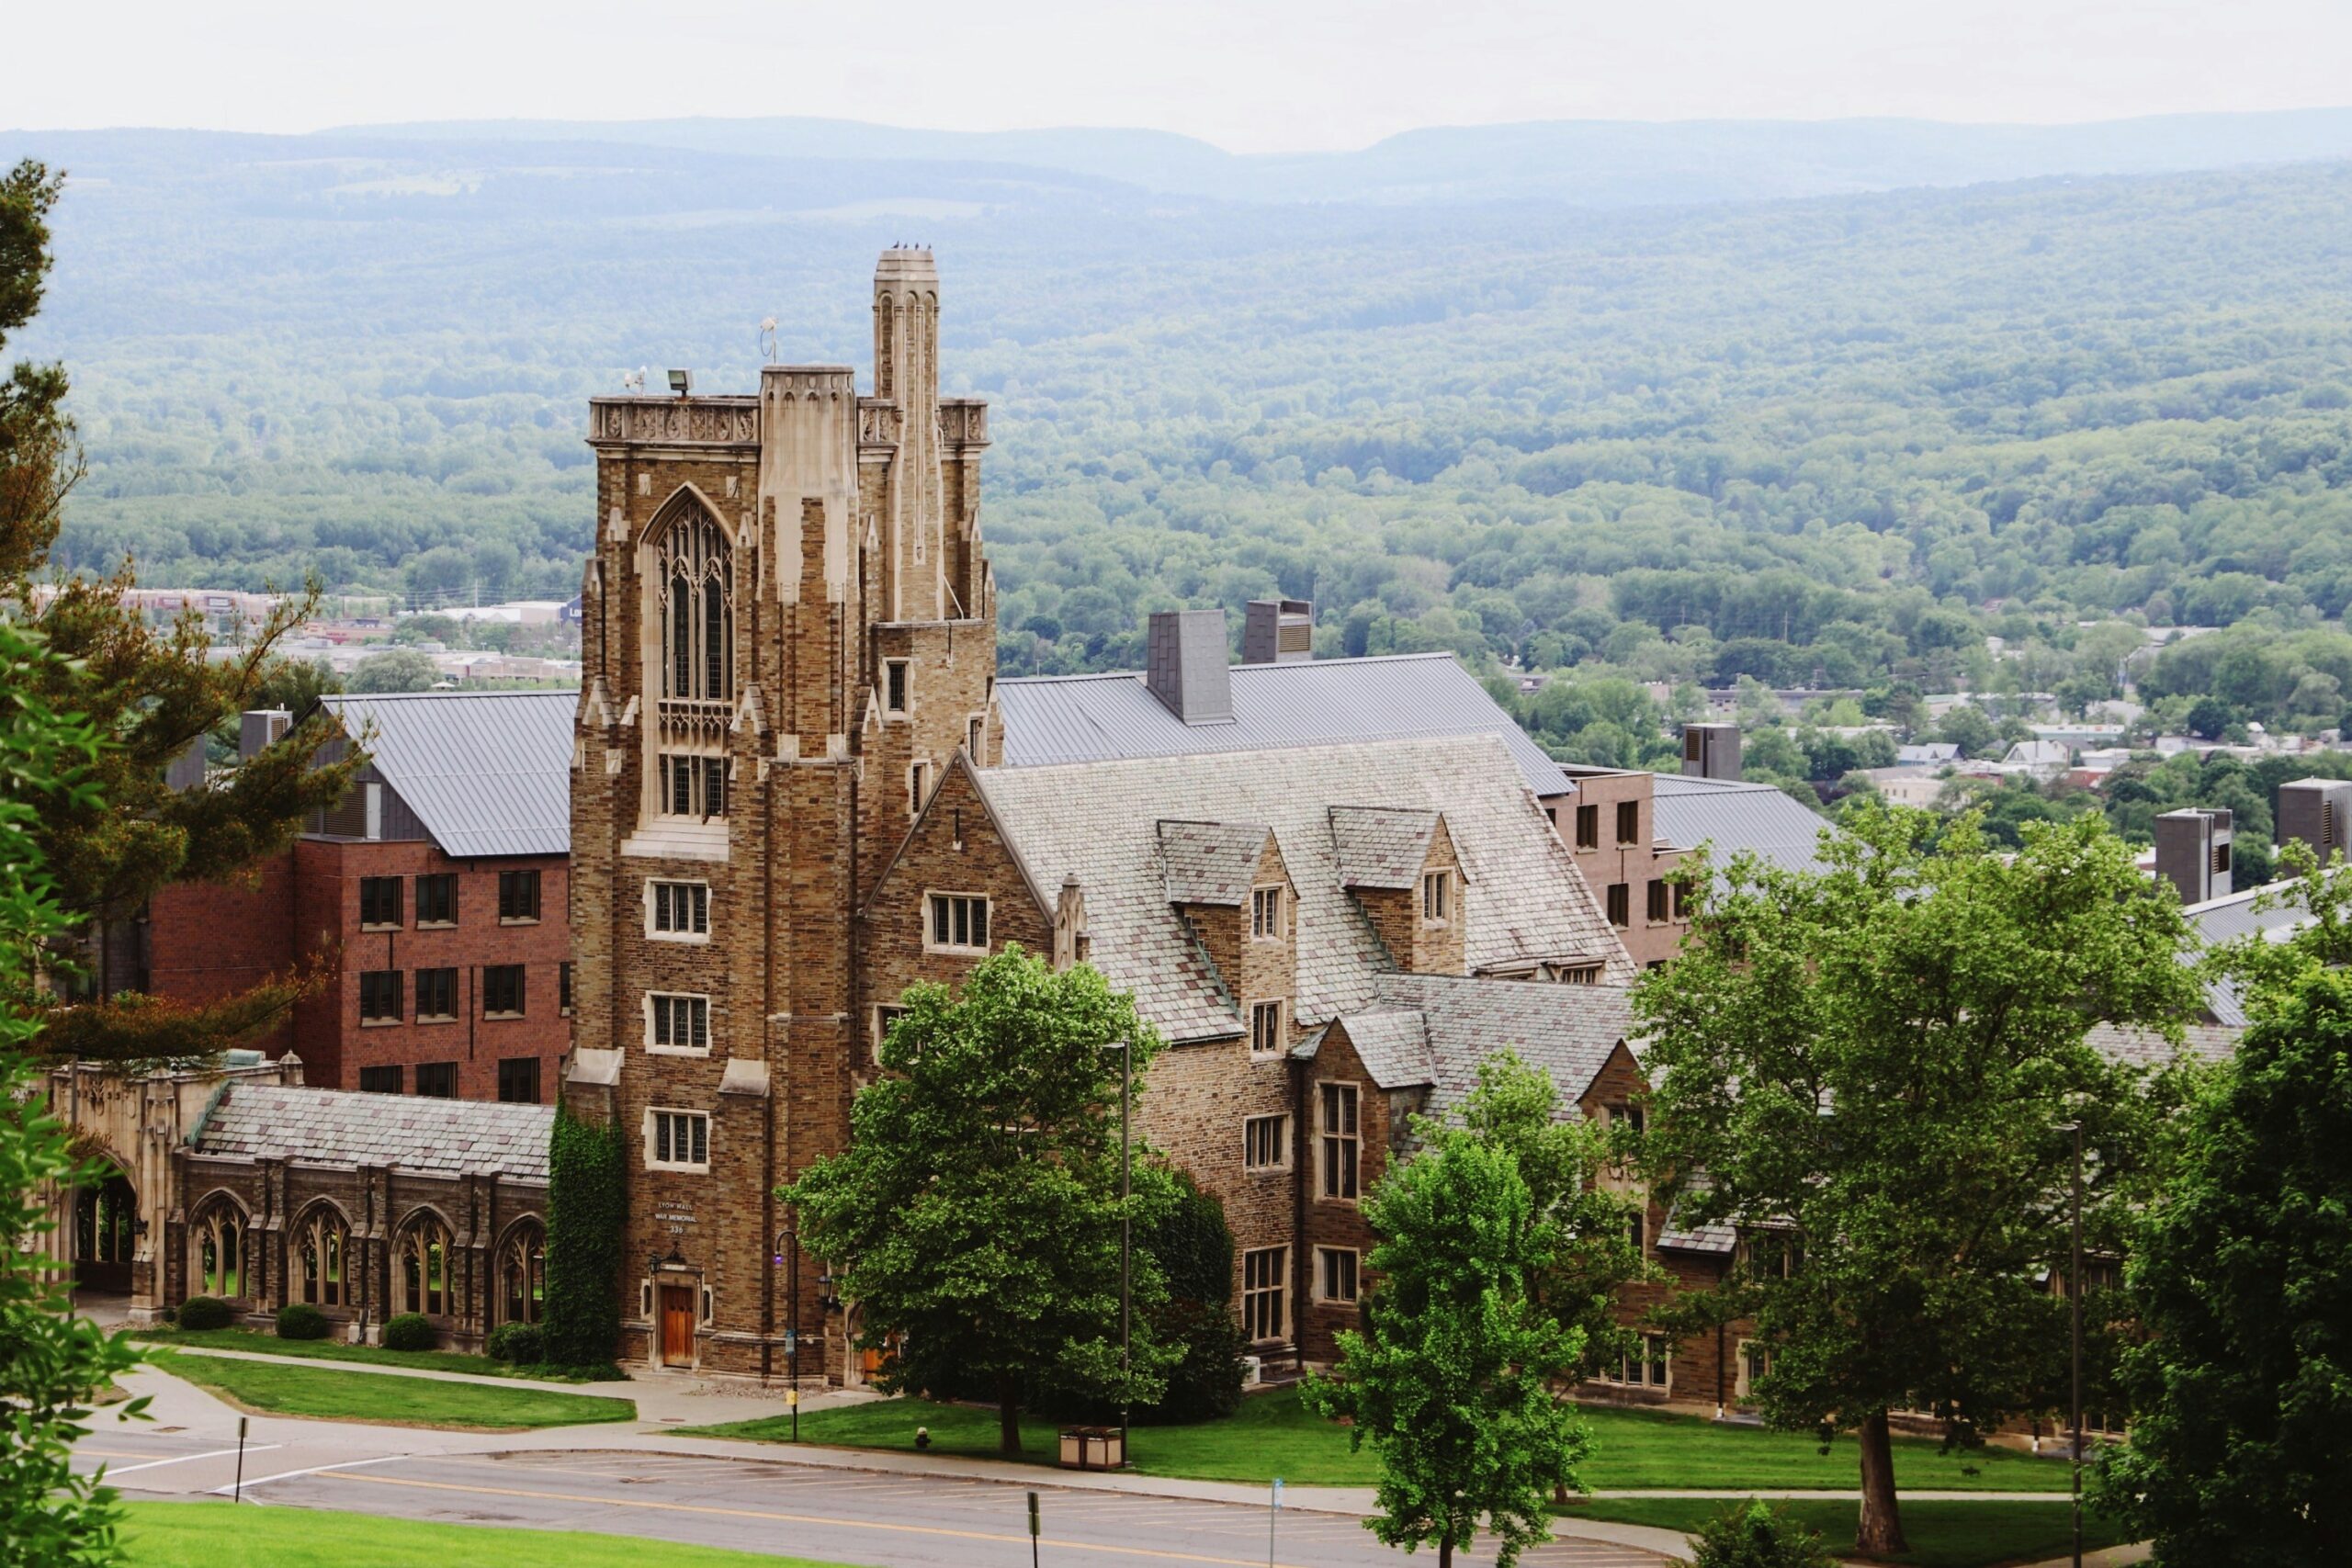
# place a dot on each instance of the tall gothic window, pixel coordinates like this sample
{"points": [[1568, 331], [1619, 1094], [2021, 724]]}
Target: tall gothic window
{"points": [[425, 1267], [219, 1238], [323, 1240], [697, 618], [523, 1274]]}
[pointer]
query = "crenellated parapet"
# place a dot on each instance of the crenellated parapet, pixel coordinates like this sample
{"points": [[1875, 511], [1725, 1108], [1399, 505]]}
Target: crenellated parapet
{"points": [[684, 421]]}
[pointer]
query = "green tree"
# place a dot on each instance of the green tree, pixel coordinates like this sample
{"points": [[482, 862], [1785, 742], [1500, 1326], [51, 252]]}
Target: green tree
{"points": [[2240, 1448], [975, 1216], [52, 1363], [1451, 1378], [1870, 1066], [397, 670]]}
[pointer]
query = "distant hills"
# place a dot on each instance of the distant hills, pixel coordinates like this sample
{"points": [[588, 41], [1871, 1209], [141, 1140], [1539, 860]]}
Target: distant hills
{"points": [[1587, 162]]}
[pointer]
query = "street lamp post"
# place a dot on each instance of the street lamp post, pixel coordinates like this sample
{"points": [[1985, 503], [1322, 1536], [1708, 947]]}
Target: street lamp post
{"points": [[788, 1247], [2075, 1291], [1127, 1240]]}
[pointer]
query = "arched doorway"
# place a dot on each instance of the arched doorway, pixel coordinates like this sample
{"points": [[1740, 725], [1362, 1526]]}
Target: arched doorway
{"points": [[105, 1232]]}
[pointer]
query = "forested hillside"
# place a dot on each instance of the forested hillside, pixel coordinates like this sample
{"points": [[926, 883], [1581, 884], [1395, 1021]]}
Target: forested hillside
{"points": [[1835, 439]]}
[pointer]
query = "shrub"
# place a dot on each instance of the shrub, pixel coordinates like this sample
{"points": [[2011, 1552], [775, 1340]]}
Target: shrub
{"points": [[411, 1331], [206, 1311], [296, 1320], [521, 1343], [1751, 1535]]}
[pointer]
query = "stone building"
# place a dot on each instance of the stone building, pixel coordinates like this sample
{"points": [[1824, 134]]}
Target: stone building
{"points": [[239, 1183]]}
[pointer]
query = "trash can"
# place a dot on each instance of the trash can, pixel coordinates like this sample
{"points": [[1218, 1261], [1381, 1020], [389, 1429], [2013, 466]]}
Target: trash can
{"points": [[1091, 1447]]}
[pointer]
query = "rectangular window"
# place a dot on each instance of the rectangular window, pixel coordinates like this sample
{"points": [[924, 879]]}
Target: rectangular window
{"points": [[379, 1080], [680, 911], [960, 923], [437, 899], [974, 733], [1650, 1365], [1588, 826], [438, 1080], [1681, 901], [1629, 822], [518, 896], [1336, 1112], [1334, 1273], [1621, 904], [693, 787], [1660, 909], [1755, 1365], [1265, 1029], [1266, 914], [1264, 1307], [894, 687], [380, 903], [1437, 892], [678, 1139], [676, 1022], [918, 787], [1635, 1228], [518, 1080], [1265, 1143], [885, 1015], [437, 995], [1627, 1112], [563, 987], [380, 996], [502, 990]]}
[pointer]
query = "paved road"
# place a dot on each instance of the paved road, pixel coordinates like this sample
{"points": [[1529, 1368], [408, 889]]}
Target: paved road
{"points": [[880, 1520]]}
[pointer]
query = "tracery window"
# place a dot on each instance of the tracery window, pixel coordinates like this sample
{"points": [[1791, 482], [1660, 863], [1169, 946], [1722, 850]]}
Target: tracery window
{"points": [[425, 1267], [323, 1242], [694, 584], [219, 1237], [523, 1275]]}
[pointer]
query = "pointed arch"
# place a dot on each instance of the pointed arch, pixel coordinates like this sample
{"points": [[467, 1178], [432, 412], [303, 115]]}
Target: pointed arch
{"points": [[324, 1271], [423, 1259], [687, 559], [216, 1246], [520, 1272]]}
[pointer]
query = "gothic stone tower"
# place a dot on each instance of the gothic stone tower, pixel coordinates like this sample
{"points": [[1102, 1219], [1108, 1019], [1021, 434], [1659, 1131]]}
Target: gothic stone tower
{"points": [[788, 631]]}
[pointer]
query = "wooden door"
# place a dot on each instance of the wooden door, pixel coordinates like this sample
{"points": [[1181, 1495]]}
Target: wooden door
{"points": [[677, 1325]]}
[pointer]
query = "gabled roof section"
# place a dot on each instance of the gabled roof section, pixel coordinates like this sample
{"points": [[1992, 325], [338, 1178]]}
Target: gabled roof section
{"points": [[413, 1133], [1100, 822], [1050, 719], [1730, 816], [1393, 1046], [1211, 863], [487, 772], [1568, 1031], [1381, 848]]}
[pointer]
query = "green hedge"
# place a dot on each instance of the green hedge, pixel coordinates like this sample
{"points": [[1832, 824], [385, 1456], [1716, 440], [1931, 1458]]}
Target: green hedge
{"points": [[411, 1331], [587, 1212], [205, 1311], [297, 1320]]}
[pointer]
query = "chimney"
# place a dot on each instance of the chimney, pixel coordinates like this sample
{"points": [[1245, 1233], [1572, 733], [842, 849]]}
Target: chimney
{"points": [[186, 770], [1278, 631], [257, 729], [2316, 813], [1711, 750], [1185, 665], [1072, 944], [2193, 853]]}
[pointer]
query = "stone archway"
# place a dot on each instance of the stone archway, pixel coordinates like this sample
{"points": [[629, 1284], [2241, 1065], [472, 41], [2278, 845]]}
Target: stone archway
{"points": [[108, 1227]]}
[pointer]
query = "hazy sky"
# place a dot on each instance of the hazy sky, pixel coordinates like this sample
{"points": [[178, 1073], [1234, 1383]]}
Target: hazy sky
{"points": [[1253, 75]]}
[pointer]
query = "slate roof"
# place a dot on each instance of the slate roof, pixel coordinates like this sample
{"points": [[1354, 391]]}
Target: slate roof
{"points": [[1730, 816], [1100, 822], [415, 1132], [1381, 847], [487, 772], [1567, 1031], [1211, 863], [1318, 702], [1393, 1046], [2147, 1048]]}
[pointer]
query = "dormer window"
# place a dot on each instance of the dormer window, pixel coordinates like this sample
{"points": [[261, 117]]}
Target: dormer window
{"points": [[1437, 897], [1266, 915]]}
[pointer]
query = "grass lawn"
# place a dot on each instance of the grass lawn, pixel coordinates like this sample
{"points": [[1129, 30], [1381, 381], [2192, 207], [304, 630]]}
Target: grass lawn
{"points": [[1942, 1535], [337, 1350], [217, 1534], [385, 1400], [1274, 1436]]}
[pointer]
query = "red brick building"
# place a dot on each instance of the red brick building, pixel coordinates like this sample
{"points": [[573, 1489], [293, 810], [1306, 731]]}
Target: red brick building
{"points": [[434, 895]]}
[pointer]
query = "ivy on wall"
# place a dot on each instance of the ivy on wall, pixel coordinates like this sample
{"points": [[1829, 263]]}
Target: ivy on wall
{"points": [[587, 1215]]}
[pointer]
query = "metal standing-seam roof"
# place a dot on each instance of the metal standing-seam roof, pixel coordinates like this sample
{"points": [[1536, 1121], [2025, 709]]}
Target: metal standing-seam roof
{"points": [[1100, 821], [487, 772], [1320, 701], [2235, 915], [413, 1133], [1730, 816]]}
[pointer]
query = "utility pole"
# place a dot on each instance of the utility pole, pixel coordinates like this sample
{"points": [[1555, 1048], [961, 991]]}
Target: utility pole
{"points": [[1127, 1239], [2074, 1291], [788, 1245]]}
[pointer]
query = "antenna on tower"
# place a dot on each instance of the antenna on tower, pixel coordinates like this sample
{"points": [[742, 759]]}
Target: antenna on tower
{"points": [[768, 338], [633, 380]]}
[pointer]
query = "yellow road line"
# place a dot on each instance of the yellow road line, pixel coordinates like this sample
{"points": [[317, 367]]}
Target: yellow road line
{"points": [[791, 1518]]}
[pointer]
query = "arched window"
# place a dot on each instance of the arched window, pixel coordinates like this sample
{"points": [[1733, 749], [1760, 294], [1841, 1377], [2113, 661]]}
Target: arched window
{"points": [[693, 584], [323, 1241], [425, 1267], [523, 1274], [219, 1235]]}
